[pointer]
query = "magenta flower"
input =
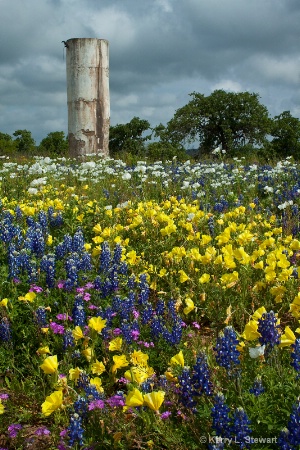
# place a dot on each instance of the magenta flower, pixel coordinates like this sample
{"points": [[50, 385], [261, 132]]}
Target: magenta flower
{"points": [[64, 316], [35, 288], [13, 429], [96, 404], [4, 396], [56, 328], [87, 297], [42, 431], [165, 415]]}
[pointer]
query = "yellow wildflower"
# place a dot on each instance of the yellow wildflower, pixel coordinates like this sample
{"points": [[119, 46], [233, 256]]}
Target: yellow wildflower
{"points": [[177, 359], [97, 323], [52, 403], [154, 400], [50, 364], [189, 306], [119, 362], [134, 398], [115, 344], [287, 338], [98, 367]]}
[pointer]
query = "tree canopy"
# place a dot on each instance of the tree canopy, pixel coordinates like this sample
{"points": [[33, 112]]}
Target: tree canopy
{"points": [[227, 118]]}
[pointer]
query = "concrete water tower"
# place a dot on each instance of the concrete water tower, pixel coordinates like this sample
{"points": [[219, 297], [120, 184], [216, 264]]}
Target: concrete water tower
{"points": [[88, 96]]}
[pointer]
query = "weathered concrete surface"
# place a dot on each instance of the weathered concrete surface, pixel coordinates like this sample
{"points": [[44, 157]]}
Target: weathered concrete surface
{"points": [[88, 96]]}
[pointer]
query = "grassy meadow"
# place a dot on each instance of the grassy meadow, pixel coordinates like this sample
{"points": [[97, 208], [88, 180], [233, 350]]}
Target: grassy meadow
{"points": [[150, 305]]}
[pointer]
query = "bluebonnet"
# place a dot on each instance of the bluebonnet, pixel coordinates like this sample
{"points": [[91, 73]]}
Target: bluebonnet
{"points": [[186, 389], [240, 428], [72, 265], [201, 376], [7, 227], [75, 430], [117, 255], [18, 213], [64, 247], [220, 417], [89, 389], [295, 355], [211, 225], [146, 313], [68, 339], [41, 317], [34, 240], [105, 258], [78, 312], [156, 327], [43, 221], [257, 387], [126, 331], [289, 438], [81, 406], [48, 265], [160, 307], [55, 218], [269, 331], [78, 241], [144, 290], [131, 282], [227, 354], [5, 331]]}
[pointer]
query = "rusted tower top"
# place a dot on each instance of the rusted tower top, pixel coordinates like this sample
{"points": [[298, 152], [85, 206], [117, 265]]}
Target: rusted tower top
{"points": [[88, 96]]}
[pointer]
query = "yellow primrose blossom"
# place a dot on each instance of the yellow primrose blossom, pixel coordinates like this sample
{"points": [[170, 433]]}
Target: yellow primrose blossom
{"points": [[170, 376], [88, 353], [98, 367], [97, 323], [278, 292], [50, 364], [29, 297], [119, 362], [77, 333], [43, 350], [250, 332], [177, 359], [287, 338], [74, 374], [115, 344], [204, 278], [134, 398], [229, 278], [97, 383], [4, 302], [139, 358], [183, 276], [258, 313], [189, 306], [2, 409], [52, 403], [295, 306], [154, 400], [139, 374]]}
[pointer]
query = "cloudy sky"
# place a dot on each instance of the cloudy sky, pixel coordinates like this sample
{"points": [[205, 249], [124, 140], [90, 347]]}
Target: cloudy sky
{"points": [[160, 52]]}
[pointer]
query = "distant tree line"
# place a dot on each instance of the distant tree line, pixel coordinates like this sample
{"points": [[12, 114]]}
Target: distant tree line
{"points": [[237, 123]]}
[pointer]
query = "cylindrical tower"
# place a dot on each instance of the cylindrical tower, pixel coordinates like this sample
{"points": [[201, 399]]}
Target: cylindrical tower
{"points": [[88, 96]]}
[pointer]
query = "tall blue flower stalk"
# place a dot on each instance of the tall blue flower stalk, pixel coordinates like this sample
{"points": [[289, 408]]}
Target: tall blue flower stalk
{"points": [[269, 331], [220, 417], [227, 354], [240, 428], [295, 355], [289, 438]]}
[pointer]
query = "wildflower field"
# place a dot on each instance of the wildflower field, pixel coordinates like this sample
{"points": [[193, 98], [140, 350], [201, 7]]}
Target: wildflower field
{"points": [[152, 306]]}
